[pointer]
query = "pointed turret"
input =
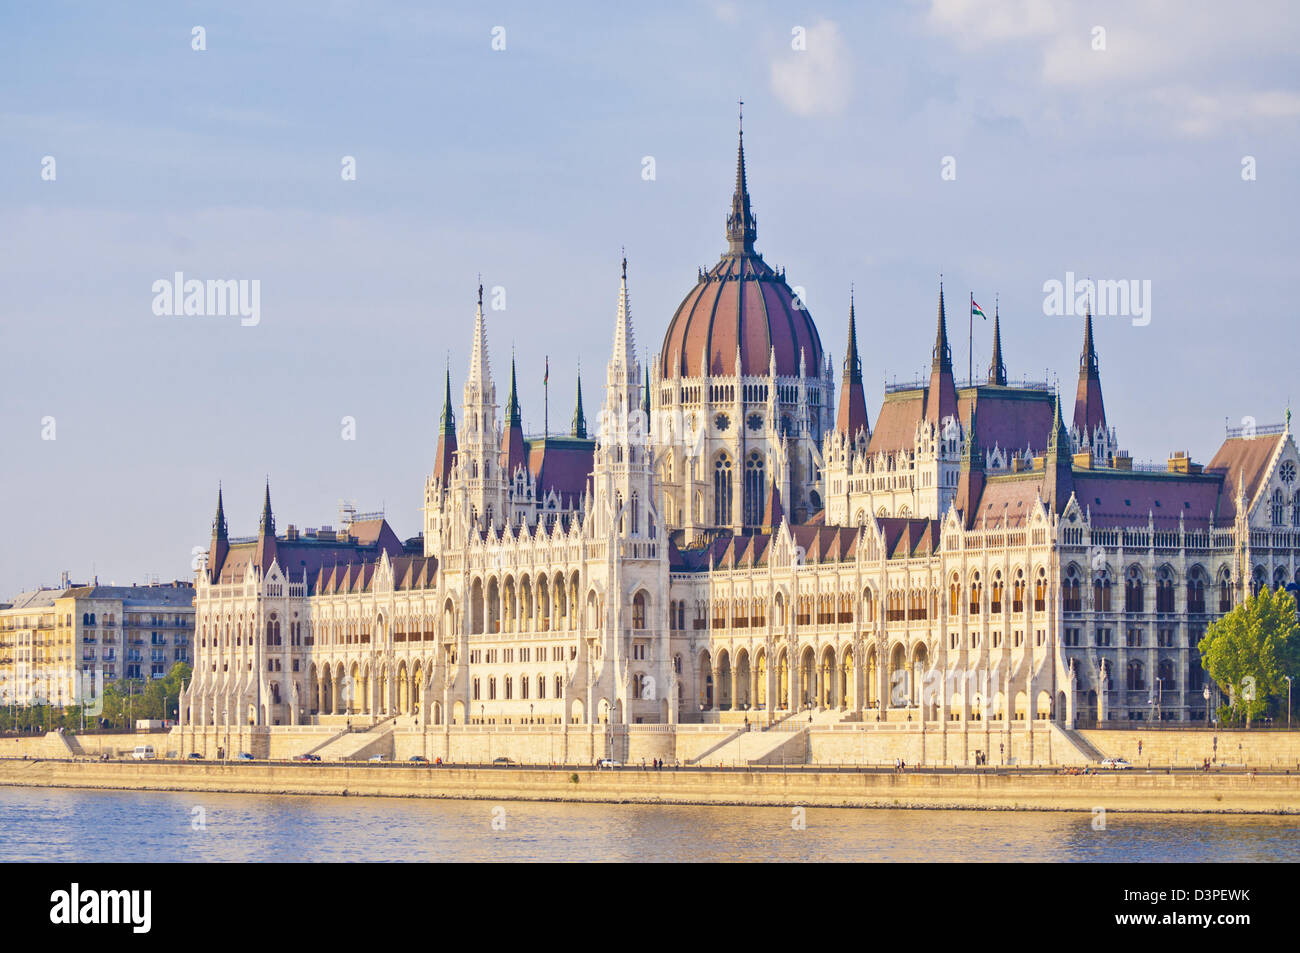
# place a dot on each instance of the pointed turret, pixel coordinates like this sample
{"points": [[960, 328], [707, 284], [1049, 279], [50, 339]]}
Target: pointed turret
{"points": [[266, 534], [579, 428], [773, 511], [742, 226], [220, 541], [941, 399], [645, 397], [997, 367], [1089, 410], [267, 525], [1058, 475], [852, 416], [513, 453], [219, 530], [446, 437]]}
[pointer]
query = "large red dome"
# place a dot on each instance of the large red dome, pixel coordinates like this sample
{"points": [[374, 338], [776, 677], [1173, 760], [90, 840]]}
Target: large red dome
{"points": [[741, 302]]}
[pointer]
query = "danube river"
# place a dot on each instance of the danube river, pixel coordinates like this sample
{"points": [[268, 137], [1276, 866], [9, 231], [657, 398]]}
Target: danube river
{"points": [[70, 825]]}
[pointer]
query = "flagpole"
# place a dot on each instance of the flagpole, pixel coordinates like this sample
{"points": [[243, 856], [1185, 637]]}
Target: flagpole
{"points": [[970, 340], [546, 398]]}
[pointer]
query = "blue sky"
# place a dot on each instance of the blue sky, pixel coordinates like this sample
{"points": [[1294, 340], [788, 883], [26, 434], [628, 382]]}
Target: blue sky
{"points": [[526, 163]]}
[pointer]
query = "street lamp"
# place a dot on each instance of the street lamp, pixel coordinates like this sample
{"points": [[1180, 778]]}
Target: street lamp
{"points": [[1206, 695], [1288, 701]]}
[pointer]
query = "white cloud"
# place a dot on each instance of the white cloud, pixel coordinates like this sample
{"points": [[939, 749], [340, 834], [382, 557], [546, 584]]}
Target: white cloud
{"points": [[1195, 68], [818, 79]]}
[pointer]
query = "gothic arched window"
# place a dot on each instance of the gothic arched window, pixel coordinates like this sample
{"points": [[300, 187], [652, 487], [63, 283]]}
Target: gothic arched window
{"points": [[755, 484], [722, 491]]}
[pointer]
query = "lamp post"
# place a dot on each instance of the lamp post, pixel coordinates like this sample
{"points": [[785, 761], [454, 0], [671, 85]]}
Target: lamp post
{"points": [[1288, 701], [1206, 695]]}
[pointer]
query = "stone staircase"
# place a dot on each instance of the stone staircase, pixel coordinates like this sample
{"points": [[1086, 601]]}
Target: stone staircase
{"points": [[1070, 747], [778, 745], [359, 744]]}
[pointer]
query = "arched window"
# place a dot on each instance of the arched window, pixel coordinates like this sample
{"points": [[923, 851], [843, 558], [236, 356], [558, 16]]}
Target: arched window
{"points": [[636, 514], [1136, 677], [1101, 591], [1196, 592], [722, 491], [1133, 590], [1040, 591], [1295, 509], [638, 611], [1225, 590], [995, 600], [1165, 591], [1070, 593], [755, 487], [1278, 507]]}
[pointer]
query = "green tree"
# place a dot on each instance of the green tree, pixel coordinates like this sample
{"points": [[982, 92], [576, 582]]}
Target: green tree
{"points": [[1250, 650], [172, 683]]}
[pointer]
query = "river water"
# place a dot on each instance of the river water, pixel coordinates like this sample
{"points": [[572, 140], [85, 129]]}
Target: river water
{"points": [[88, 826]]}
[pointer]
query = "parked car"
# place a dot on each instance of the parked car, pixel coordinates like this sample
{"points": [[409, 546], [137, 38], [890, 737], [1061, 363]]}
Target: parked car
{"points": [[194, 756], [306, 757], [609, 763], [1116, 764], [418, 759], [377, 757], [244, 756], [503, 761]]}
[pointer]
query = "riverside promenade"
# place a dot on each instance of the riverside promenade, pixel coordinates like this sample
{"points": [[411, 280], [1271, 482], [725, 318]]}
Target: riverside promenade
{"points": [[1243, 791]]}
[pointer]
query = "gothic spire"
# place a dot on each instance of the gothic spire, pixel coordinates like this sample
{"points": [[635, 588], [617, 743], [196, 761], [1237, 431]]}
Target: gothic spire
{"points": [[447, 424], [941, 398], [997, 367], [1058, 474], [480, 373], [742, 226], [513, 451], [852, 415], [512, 402], [219, 524], [624, 356], [1089, 408], [941, 356], [267, 526], [579, 418], [446, 437], [645, 399]]}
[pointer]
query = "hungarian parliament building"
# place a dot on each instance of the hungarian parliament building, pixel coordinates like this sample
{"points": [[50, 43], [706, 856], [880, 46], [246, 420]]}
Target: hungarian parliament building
{"points": [[732, 537]]}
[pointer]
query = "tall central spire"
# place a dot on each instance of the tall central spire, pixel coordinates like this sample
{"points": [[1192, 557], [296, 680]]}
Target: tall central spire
{"points": [[479, 369], [624, 355], [742, 226]]}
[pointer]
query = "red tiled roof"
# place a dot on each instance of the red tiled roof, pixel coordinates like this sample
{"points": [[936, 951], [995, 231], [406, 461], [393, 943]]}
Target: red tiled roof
{"points": [[1243, 459], [561, 464]]}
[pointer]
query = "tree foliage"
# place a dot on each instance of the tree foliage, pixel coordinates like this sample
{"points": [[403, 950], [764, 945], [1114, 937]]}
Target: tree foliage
{"points": [[1249, 652]]}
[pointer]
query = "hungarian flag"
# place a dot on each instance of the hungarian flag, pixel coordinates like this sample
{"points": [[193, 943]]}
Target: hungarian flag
{"points": [[976, 309], [547, 376]]}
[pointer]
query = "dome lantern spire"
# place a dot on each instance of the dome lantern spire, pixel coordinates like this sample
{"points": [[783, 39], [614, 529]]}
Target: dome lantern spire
{"points": [[742, 227]]}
